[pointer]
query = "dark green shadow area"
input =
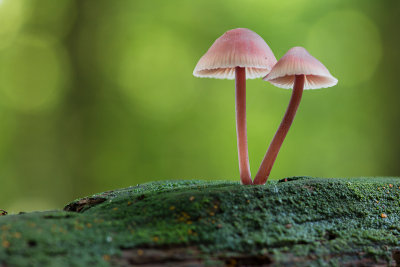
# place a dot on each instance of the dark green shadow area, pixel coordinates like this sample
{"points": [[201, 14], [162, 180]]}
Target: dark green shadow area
{"points": [[301, 221]]}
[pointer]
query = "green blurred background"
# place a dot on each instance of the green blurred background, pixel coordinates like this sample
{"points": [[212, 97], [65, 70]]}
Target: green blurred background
{"points": [[99, 94]]}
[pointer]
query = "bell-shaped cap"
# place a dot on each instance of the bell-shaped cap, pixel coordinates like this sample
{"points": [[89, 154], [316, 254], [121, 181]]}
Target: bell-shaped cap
{"points": [[298, 61], [236, 48]]}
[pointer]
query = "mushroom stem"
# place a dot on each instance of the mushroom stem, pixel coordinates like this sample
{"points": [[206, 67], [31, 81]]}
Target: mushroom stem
{"points": [[274, 147], [244, 166]]}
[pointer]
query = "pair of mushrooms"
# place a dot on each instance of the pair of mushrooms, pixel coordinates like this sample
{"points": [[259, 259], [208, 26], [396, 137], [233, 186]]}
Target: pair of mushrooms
{"points": [[241, 53]]}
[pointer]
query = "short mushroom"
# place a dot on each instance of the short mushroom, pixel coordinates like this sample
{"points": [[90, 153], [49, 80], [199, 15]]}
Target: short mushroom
{"points": [[297, 69], [238, 54]]}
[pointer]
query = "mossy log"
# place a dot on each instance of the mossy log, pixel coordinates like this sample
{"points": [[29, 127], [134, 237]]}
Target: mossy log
{"points": [[297, 221]]}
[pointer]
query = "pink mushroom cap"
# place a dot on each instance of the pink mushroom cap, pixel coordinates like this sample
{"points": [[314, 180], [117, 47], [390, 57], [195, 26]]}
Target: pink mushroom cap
{"points": [[298, 61], [236, 48]]}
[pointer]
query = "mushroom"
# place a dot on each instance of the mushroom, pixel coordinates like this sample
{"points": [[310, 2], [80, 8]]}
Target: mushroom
{"points": [[297, 69], [238, 54]]}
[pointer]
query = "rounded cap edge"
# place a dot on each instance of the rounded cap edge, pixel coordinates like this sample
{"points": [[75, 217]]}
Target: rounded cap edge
{"points": [[236, 48], [298, 61]]}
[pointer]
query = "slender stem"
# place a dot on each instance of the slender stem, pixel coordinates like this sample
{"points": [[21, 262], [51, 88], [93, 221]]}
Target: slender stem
{"points": [[274, 147], [244, 166]]}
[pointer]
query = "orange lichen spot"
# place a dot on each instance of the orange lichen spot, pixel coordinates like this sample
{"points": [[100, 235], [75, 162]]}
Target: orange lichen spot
{"points": [[156, 239], [89, 225], [387, 192], [215, 207], [189, 222], [212, 213], [377, 201], [190, 231], [219, 225], [390, 185], [191, 198], [248, 201], [5, 244], [383, 215], [172, 208], [17, 235], [129, 203], [106, 257], [184, 214], [115, 208], [5, 227], [213, 221], [78, 227], [140, 252]]}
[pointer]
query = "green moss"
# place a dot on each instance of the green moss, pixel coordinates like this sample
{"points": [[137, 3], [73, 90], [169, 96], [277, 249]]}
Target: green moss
{"points": [[306, 220]]}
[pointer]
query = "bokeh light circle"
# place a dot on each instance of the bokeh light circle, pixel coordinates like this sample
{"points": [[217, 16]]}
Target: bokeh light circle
{"points": [[32, 74], [12, 16], [348, 43], [158, 67], [151, 67]]}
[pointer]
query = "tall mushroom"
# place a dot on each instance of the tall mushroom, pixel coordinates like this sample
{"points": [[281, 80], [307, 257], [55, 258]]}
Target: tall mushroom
{"points": [[297, 69], [238, 54]]}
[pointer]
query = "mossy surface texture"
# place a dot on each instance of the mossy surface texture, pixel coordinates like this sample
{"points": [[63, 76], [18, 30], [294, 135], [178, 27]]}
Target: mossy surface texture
{"points": [[300, 221]]}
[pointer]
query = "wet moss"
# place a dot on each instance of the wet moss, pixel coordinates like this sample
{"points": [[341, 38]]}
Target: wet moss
{"points": [[297, 220]]}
